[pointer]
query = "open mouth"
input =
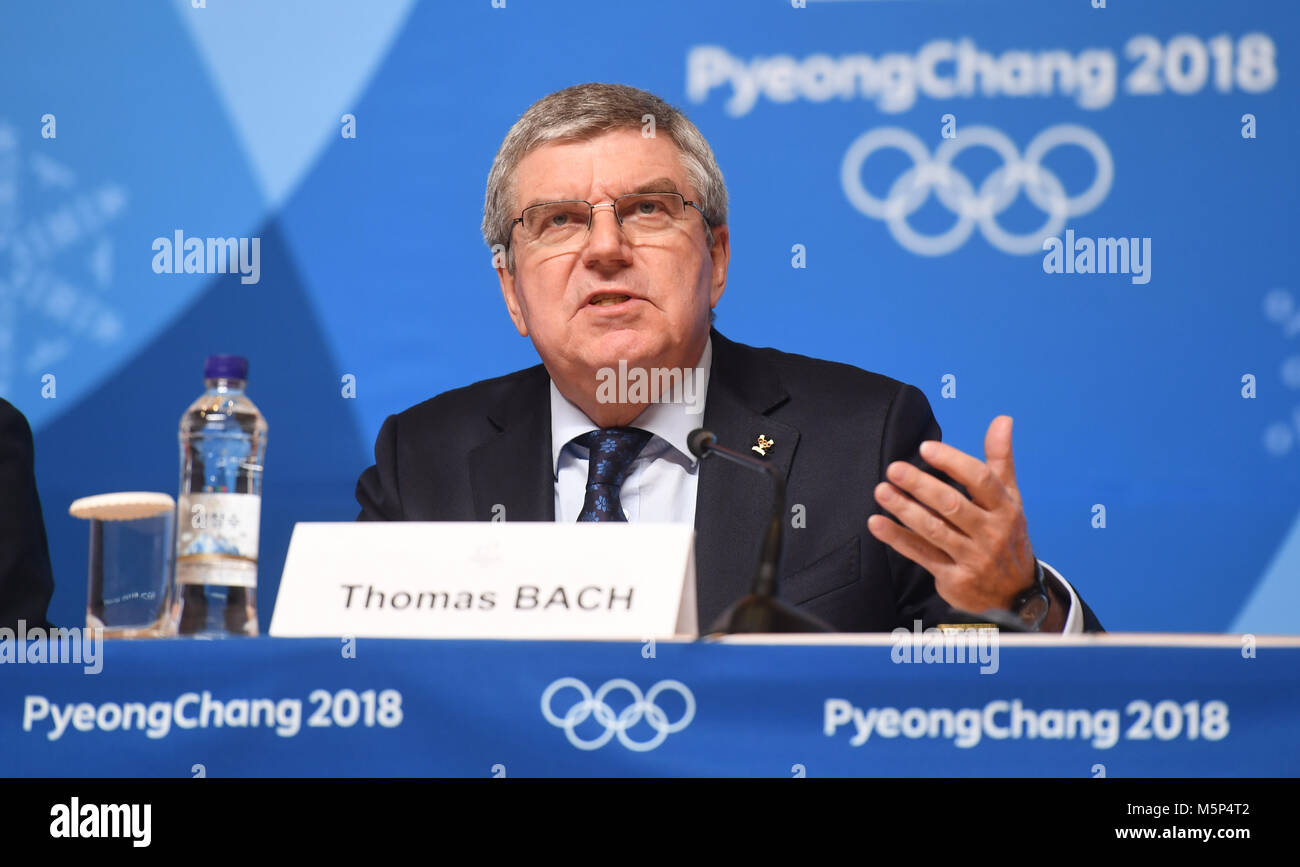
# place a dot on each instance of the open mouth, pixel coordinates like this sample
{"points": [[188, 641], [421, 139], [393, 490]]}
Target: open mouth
{"points": [[607, 299]]}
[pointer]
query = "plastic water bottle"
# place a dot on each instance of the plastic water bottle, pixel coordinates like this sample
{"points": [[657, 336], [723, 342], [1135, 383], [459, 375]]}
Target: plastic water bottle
{"points": [[223, 444]]}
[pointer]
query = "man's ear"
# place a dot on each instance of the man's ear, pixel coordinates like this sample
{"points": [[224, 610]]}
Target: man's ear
{"points": [[721, 253], [513, 307]]}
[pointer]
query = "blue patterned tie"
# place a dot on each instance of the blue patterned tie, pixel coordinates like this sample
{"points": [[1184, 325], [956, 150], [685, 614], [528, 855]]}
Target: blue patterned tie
{"points": [[611, 453]]}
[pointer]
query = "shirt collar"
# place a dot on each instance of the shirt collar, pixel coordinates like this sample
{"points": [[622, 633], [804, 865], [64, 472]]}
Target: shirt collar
{"points": [[670, 422]]}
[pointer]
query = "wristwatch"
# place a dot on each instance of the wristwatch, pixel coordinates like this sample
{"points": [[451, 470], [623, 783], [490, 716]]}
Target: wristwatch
{"points": [[1032, 604]]}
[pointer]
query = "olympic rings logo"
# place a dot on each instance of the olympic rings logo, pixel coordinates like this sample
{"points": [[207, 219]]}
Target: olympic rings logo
{"points": [[641, 707], [955, 191]]}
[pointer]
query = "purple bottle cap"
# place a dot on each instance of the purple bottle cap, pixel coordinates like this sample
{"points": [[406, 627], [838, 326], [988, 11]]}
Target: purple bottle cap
{"points": [[225, 367]]}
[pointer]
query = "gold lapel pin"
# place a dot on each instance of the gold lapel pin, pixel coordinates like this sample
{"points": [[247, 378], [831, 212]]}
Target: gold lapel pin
{"points": [[762, 445]]}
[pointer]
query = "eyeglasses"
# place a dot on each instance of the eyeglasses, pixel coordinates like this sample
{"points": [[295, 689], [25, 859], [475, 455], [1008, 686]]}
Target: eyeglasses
{"points": [[642, 216]]}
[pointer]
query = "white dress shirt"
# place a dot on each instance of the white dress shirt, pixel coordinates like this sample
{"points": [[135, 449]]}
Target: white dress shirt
{"points": [[662, 483]]}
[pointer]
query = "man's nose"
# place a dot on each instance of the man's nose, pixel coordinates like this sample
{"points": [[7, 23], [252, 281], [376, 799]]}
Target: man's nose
{"points": [[606, 242]]}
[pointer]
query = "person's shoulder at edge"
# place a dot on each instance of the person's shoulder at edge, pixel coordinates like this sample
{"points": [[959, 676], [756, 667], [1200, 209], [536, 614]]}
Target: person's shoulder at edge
{"points": [[450, 409], [818, 380], [12, 421], [26, 580]]}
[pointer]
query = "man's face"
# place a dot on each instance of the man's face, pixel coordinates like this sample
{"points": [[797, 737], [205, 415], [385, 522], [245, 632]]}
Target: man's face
{"points": [[662, 288]]}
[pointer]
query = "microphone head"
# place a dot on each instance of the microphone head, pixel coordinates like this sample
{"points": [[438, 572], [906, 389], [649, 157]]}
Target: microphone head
{"points": [[699, 441]]}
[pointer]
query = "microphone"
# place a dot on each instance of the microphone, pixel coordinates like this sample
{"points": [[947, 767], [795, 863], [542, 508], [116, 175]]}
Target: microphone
{"points": [[760, 611], [700, 440]]}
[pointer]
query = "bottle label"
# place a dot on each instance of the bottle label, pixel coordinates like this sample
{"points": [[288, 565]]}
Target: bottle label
{"points": [[217, 541]]}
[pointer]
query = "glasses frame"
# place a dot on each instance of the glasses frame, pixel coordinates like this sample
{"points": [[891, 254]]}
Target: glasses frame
{"points": [[591, 210]]}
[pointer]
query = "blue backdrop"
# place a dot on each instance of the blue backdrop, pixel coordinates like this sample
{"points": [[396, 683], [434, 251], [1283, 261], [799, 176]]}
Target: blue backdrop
{"points": [[1172, 403]]}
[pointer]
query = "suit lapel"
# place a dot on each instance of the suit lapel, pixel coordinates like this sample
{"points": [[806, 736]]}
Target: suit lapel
{"points": [[512, 470], [732, 502]]}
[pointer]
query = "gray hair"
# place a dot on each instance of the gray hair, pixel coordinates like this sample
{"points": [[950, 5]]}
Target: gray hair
{"points": [[583, 112]]}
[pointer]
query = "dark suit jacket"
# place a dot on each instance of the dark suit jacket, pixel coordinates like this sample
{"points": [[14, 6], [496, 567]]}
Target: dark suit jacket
{"points": [[835, 429], [26, 582]]}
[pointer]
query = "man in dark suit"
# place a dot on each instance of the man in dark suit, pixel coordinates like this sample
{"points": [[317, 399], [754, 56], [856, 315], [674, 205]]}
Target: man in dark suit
{"points": [[26, 582], [634, 291]]}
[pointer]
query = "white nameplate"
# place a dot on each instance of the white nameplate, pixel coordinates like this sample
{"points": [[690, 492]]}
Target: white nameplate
{"points": [[488, 580]]}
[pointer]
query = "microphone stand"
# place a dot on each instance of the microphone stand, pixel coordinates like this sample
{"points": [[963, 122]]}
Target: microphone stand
{"points": [[760, 611]]}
